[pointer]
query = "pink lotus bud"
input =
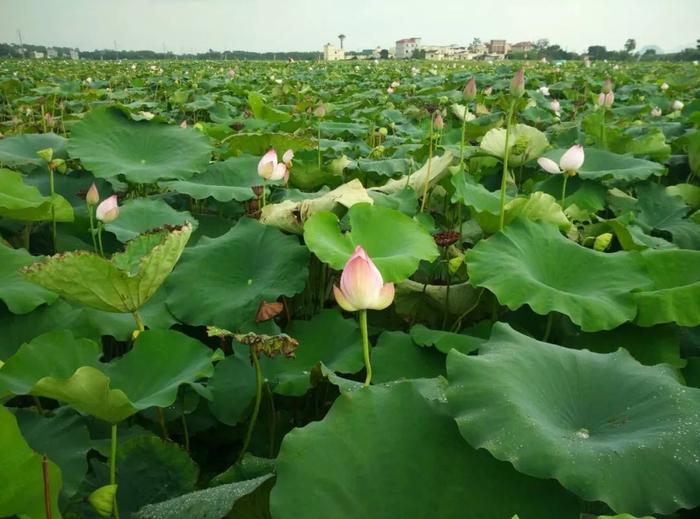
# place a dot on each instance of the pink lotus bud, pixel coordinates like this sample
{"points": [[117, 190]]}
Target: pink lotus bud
{"points": [[267, 164], [609, 99], [108, 210], [362, 286], [664, 86], [93, 196], [469, 92], [656, 112], [549, 165], [517, 84], [555, 106], [439, 123], [287, 158], [572, 160], [320, 110], [601, 99], [677, 105]]}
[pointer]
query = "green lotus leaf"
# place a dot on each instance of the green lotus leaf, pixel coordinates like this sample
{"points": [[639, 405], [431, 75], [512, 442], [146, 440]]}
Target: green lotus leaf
{"points": [[20, 151], [109, 143], [412, 461], [395, 242], [525, 143], [675, 295], [604, 165], [22, 489], [20, 295], [445, 341], [385, 167], [222, 281], [397, 357], [120, 284], [138, 215], [20, 201], [660, 211], [210, 503], [475, 195], [232, 388], [64, 438], [596, 422], [592, 288], [58, 366], [224, 181], [257, 144], [537, 206]]}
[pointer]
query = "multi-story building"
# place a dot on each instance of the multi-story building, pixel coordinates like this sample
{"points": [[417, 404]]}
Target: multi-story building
{"points": [[332, 53], [498, 47], [522, 46], [74, 54], [406, 46]]}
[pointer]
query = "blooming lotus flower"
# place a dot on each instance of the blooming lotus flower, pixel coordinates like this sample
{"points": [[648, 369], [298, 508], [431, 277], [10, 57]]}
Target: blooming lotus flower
{"points": [[270, 169], [656, 112], [93, 196], [287, 158], [677, 105], [664, 86], [108, 210], [362, 286], [569, 164], [395, 84], [469, 92], [544, 90]]}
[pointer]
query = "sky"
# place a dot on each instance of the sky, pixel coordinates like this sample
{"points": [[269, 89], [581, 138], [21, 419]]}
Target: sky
{"points": [[304, 25]]}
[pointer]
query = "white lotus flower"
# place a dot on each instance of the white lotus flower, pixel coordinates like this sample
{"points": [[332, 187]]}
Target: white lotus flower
{"points": [[677, 105], [544, 91], [569, 163]]}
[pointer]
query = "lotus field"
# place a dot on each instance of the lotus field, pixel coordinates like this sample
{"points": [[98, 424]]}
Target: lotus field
{"points": [[392, 289]]}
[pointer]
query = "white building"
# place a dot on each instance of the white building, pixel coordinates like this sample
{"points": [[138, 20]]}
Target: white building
{"points": [[332, 53], [406, 46], [51, 53], [38, 55], [74, 54]]}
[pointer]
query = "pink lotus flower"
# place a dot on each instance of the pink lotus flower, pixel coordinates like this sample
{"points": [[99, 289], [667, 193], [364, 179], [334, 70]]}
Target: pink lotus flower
{"points": [[469, 92], [362, 286], [439, 122], [93, 195], [108, 210], [517, 84], [570, 162], [606, 99], [270, 169], [287, 158]]}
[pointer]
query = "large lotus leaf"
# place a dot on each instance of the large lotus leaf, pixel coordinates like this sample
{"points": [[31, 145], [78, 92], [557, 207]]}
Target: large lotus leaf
{"points": [[395, 242], [24, 202], [397, 357], [525, 143], [660, 211], [232, 388], [342, 354], [120, 284], [532, 263], [412, 462], [605, 426], [602, 164], [675, 295], [475, 195], [139, 215], [19, 295], [222, 281], [21, 480], [109, 143], [20, 151], [445, 341], [537, 206], [64, 438], [433, 171], [56, 365], [258, 143], [385, 167], [210, 503], [232, 179]]}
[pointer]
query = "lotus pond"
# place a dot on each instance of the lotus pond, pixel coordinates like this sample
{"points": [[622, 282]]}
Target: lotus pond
{"points": [[357, 290]]}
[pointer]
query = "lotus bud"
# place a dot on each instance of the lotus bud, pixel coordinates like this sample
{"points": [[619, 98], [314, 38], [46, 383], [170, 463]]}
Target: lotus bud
{"points": [[664, 86], [108, 210], [93, 195], [389, 90], [438, 122], [602, 241], [183, 124], [469, 92], [102, 500], [320, 111], [287, 158], [572, 160], [677, 105], [555, 106], [362, 286], [609, 99], [46, 154], [488, 90], [517, 84], [607, 86], [395, 84], [383, 131], [601, 99], [267, 164]]}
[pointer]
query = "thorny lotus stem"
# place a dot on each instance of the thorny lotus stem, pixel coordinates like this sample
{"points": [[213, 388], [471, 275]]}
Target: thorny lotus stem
{"points": [[47, 486], [365, 346], [256, 405], [92, 227], [430, 161], [504, 178], [113, 467], [563, 190]]}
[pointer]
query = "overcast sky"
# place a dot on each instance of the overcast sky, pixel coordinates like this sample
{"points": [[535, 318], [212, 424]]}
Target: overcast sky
{"points": [[274, 25]]}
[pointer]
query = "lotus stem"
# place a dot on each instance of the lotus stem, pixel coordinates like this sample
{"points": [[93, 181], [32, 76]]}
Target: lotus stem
{"points": [[264, 193], [504, 178], [47, 486], [461, 144], [430, 161], [256, 405], [365, 346], [99, 239], [113, 467], [273, 420], [319, 145], [53, 207], [92, 227], [139, 321], [548, 326], [563, 190]]}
